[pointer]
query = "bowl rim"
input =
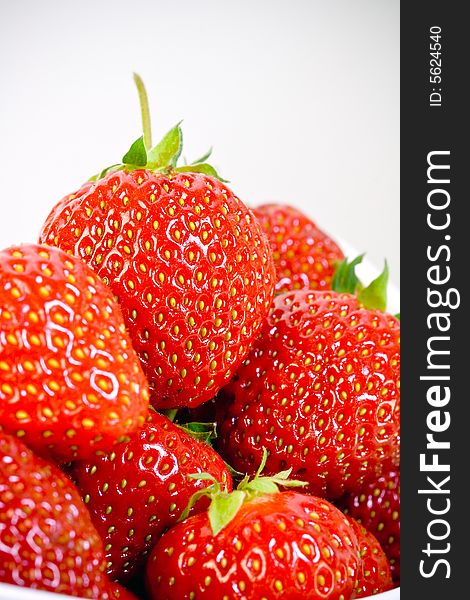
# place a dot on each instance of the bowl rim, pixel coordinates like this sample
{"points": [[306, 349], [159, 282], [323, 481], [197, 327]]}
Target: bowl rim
{"points": [[15, 592]]}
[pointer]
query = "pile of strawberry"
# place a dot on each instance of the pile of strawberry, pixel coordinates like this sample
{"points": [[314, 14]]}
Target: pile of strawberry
{"points": [[197, 400]]}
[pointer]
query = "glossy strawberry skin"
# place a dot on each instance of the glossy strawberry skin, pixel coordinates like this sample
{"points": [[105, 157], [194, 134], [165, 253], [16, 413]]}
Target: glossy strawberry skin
{"points": [[304, 256], [285, 545], [47, 540], [377, 507], [191, 268], [319, 390], [70, 382], [142, 487], [117, 592], [374, 576]]}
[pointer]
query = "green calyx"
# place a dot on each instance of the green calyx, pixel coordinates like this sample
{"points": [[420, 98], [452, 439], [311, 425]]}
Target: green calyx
{"points": [[161, 158], [203, 432], [225, 505], [345, 280]]}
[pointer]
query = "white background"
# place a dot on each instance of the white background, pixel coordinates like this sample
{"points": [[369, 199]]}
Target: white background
{"points": [[300, 100]]}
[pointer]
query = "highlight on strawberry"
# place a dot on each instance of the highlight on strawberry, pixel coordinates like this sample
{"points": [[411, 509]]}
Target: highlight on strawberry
{"points": [[70, 381], [186, 258]]}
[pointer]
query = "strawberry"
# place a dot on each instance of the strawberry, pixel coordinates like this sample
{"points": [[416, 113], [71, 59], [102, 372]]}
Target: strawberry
{"points": [[257, 543], [117, 592], [186, 258], [304, 256], [70, 380], [320, 390], [374, 574], [141, 488], [377, 507], [47, 539]]}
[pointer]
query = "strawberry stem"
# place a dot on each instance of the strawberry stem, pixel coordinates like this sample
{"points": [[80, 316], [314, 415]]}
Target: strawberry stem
{"points": [[225, 505], [144, 109], [162, 158]]}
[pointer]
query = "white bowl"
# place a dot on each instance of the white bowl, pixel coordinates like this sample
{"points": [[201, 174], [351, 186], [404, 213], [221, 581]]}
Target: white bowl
{"points": [[366, 272], [13, 592]]}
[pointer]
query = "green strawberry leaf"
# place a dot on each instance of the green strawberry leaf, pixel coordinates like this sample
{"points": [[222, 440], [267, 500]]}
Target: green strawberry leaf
{"points": [[397, 316], [203, 477], [283, 474], [282, 478], [235, 474], [205, 168], [262, 464], [374, 296], [168, 150], [136, 156], [203, 158], [197, 427], [345, 279], [289, 482], [262, 485], [196, 497], [170, 413], [268, 485], [105, 172], [204, 432], [223, 509]]}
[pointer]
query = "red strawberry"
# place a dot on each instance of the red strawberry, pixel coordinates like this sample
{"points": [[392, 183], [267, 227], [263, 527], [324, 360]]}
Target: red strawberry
{"points": [[117, 592], [374, 574], [377, 508], [277, 545], [70, 380], [142, 487], [186, 258], [304, 256], [47, 540], [320, 390]]}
